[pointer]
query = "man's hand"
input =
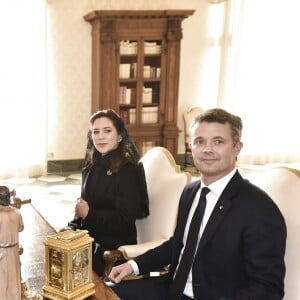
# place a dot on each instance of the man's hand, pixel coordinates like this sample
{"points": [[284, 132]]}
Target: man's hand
{"points": [[119, 272]]}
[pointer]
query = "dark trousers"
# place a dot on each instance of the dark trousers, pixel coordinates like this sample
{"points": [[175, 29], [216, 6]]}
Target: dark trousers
{"points": [[143, 289]]}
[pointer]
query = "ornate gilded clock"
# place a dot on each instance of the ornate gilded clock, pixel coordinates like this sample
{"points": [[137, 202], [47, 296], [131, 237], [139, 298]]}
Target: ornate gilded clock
{"points": [[68, 268]]}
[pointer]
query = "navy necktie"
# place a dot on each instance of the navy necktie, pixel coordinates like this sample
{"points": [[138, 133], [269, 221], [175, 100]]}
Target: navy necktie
{"points": [[179, 281]]}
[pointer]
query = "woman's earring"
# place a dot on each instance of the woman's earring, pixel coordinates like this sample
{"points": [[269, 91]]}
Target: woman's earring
{"points": [[120, 139]]}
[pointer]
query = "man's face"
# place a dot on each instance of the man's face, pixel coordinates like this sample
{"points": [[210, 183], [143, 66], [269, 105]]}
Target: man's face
{"points": [[213, 150]]}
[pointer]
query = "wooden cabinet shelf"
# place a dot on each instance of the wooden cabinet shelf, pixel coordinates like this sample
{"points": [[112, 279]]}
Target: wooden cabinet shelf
{"points": [[135, 71]]}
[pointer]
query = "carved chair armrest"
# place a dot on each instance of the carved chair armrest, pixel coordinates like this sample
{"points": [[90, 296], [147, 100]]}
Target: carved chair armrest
{"points": [[110, 258], [126, 252]]}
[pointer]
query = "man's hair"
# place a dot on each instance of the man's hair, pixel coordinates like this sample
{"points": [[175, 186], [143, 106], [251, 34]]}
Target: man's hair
{"points": [[218, 115]]}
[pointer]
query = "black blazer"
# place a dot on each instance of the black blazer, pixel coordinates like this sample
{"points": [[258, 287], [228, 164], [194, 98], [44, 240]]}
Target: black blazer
{"points": [[241, 252]]}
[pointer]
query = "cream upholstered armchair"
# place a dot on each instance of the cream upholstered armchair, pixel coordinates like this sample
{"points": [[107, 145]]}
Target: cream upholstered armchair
{"points": [[283, 185], [188, 116], [165, 182]]}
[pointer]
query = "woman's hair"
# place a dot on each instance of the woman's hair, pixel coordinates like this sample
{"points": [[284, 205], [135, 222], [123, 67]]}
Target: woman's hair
{"points": [[221, 116], [126, 150]]}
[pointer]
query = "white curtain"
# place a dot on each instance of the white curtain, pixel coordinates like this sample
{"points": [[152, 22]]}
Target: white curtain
{"points": [[259, 76], [22, 88]]}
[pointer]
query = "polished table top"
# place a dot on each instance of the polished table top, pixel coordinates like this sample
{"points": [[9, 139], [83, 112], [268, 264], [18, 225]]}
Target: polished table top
{"points": [[33, 258]]}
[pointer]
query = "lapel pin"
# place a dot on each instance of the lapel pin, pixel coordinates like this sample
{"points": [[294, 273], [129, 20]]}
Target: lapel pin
{"points": [[221, 207]]}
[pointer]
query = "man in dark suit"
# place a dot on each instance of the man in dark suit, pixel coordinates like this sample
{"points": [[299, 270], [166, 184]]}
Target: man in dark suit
{"points": [[241, 240]]}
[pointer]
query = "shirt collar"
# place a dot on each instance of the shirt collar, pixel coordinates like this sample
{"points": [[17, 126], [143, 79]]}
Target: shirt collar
{"points": [[218, 186]]}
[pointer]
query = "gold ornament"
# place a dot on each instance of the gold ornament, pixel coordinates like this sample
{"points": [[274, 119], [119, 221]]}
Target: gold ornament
{"points": [[68, 266]]}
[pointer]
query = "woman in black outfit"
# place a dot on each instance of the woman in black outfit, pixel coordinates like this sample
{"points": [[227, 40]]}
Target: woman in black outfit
{"points": [[114, 192]]}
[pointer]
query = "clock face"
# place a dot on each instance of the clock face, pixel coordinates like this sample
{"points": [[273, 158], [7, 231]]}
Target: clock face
{"points": [[80, 267], [56, 270]]}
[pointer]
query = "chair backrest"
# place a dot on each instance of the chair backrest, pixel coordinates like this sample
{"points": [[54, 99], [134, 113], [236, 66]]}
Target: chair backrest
{"points": [[165, 182], [283, 185], [188, 116]]}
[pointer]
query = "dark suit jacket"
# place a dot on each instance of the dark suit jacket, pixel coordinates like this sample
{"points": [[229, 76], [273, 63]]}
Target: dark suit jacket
{"points": [[241, 252]]}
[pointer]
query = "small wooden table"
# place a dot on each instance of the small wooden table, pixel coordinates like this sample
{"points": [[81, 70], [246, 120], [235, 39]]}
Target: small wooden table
{"points": [[33, 258]]}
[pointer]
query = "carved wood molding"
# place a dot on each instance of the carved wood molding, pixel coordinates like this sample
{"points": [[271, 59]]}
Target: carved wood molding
{"points": [[127, 14]]}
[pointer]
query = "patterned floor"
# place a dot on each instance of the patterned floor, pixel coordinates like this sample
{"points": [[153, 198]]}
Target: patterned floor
{"points": [[53, 196]]}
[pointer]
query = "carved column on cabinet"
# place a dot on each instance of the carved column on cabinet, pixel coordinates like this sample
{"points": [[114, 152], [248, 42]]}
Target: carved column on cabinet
{"points": [[170, 130], [104, 56]]}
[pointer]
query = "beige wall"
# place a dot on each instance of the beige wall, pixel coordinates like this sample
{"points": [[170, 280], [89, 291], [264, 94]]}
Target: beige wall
{"points": [[69, 67]]}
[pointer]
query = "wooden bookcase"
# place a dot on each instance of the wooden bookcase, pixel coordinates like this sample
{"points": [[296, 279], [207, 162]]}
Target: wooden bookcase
{"points": [[135, 71]]}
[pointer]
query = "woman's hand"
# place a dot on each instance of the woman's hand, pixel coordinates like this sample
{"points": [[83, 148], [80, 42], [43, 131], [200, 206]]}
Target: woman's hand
{"points": [[65, 228], [81, 208]]}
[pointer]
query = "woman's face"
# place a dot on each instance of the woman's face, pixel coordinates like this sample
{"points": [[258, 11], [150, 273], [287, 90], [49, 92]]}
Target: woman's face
{"points": [[105, 135]]}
